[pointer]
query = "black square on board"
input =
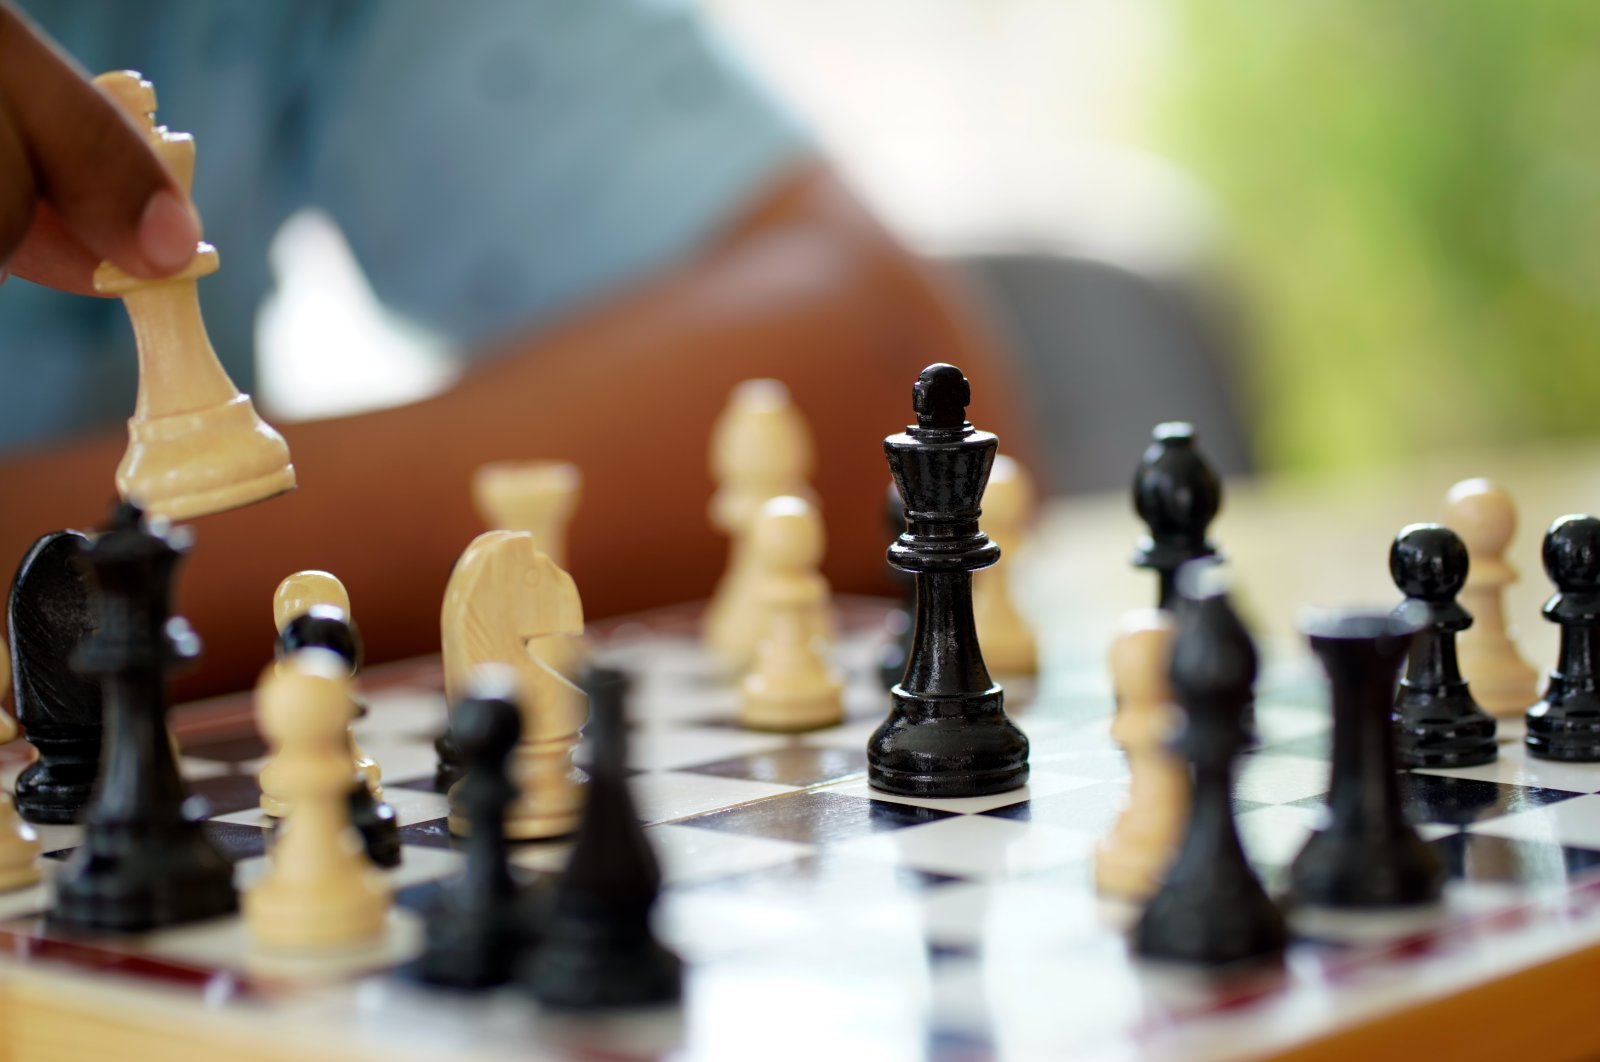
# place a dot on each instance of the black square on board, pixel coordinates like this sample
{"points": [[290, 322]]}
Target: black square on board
{"points": [[798, 765], [814, 818]]}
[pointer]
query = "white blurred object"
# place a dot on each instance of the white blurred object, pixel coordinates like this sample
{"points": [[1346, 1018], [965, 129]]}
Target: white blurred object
{"points": [[325, 345]]}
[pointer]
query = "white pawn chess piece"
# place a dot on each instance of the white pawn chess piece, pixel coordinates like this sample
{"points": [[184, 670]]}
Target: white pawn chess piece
{"points": [[1485, 518], [760, 449], [1132, 857], [502, 595], [1006, 638], [791, 686], [19, 847], [195, 443], [320, 893]]}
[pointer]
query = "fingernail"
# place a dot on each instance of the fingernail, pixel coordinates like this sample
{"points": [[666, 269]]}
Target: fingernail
{"points": [[169, 230]]}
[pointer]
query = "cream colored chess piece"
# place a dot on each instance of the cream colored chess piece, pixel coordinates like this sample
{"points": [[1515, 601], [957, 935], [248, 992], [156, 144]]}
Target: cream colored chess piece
{"points": [[1004, 635], [19, 847], [791, 685], [760, 449], [296, 595], [195, 443], [1131, 859], [320, 893], [502, 595], [1483, 515], [8, 722]]}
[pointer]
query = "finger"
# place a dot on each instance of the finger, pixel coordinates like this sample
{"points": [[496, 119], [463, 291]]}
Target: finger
{"points": [[52, 256], [90, 162], [16, 191]]}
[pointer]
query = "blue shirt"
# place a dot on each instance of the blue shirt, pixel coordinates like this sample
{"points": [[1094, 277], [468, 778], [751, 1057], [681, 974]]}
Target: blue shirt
{"points": [[493, 163]]}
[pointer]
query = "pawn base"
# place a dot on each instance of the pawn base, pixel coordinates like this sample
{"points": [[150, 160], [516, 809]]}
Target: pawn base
{"points": [[1568, 730], [129, 881], [316, 916], [947, 746], [1341, 870], [584, 974], [1214, 923], [204, 461], [470, 949], [792, 712], [1442, 727]]}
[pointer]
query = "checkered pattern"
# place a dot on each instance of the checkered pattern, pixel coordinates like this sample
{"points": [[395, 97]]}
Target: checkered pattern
{"points": [[857, 921]]}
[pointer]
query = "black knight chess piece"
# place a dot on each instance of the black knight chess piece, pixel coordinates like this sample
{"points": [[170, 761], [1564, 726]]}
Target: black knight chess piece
{"points": [[145, 861], [49, 615], [1437, 722], [947, 734], [1177, 494], [1365, 853], [1211, 909], [1565, 724]]}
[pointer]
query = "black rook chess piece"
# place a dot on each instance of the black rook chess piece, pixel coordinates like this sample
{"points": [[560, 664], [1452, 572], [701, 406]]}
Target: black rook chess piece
{"points": [[1211, 909], [1365, 853], [477, 926], [49, 615], [896, 651], [1437, 722], [1177, 494], [947, 734], [144, 861], [596, 948], [1565, 724]]}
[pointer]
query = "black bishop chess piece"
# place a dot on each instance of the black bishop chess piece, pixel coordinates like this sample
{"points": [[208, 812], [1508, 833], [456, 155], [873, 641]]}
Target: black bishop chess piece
{"points": [[1177, 494], [324, 626], [479, 924], [1365, 853], [145, 861], [1437, 722], [1565, 724], [897, 650], [947, 734], [596, 949], [1211, 909], [48, 616]]}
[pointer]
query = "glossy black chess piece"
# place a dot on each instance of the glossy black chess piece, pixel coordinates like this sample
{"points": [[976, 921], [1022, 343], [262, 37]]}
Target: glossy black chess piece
{"points": [[947, 734], [478, 926], [1210, 909], [1177, 494], [1565, 724], [897, 650], [49, 615], [451, 765], [1437, 722], [144, 861], [1365, 853], [327, 627], [596, 948]]}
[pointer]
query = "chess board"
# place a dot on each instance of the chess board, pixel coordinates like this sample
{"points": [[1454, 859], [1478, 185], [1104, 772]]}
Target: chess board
{"points": [[820, 919]]}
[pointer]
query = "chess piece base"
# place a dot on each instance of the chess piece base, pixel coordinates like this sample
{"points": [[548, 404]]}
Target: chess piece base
{"points": [[19, 877], [373, 819], [583, 974], [791, 711], [190, 464], [469, 950], [1231, 920], [1442, 727], [55, 789], [1505, 687], [549, 798], [1341, 870], [1117, 872], [317, 915], [129, 881], [953, 746], [1567, 730]]}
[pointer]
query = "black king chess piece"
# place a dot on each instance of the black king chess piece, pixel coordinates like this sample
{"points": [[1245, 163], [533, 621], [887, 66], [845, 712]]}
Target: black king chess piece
{"points": [[1565, 724], [1437, 722], [947, 734], [1365, 853], [49, 614], [1177, 494], [897, 650], [1211, 909], [327, 627], [144, 861]]}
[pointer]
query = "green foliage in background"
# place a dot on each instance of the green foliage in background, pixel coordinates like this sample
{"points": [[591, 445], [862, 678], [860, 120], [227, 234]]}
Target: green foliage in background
{"points": [[1411, 200]]}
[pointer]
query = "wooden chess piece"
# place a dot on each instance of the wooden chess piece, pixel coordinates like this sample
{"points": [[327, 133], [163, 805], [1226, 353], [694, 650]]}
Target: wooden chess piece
{"points": [[502, 594], [791, 686], [1485, 518], [1177, 494], [195, 443], [9, 731], [1008, 642], [760, 449], [19, 848], [320, 893], [1132, 857]]}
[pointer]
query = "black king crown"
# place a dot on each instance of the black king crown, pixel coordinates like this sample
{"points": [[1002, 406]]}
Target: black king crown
{"points": [[947, 733]]}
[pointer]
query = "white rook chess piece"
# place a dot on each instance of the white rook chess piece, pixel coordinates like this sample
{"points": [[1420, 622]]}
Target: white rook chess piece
{"points": [[1501, 681], [1003, 634], [760, 449], [791, 685], [320, 893], [1132, 858], [195, 443]]}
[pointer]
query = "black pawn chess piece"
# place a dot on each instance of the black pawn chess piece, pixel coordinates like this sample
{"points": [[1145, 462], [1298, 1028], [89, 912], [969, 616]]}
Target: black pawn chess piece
{"points": [[1211, 909], [478, 926], [1565, 724], [1437, 723], [1365, 853], [59, 709], [896, 651], [1177, 494], [596, 948], [328, 627], [451, 765], [144, 862], [947, 734]]}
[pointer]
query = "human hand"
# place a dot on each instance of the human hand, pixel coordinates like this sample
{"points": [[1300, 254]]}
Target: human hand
{"points": [[78, 184]]}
